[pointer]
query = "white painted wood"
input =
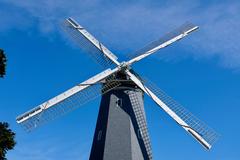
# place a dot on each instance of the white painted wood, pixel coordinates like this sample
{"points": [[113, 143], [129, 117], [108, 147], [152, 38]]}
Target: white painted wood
{"points": [[93, 40], [188, 128], [165, 44], [65, 95]]}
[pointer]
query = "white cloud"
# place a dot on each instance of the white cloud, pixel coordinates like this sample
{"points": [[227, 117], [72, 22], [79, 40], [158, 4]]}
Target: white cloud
{"points": [[125, 26]]}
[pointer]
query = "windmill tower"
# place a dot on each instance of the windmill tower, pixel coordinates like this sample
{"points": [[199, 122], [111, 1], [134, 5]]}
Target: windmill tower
{"points": [[121, 130]]}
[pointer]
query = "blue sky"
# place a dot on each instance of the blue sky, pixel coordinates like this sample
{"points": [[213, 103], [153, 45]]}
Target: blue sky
{"points": [[202, 72]]}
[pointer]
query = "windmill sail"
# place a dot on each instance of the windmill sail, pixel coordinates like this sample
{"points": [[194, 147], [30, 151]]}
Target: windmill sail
{"points": [[89, 44], [200, 131], [141, 121], [69, 100], [164, 41]]}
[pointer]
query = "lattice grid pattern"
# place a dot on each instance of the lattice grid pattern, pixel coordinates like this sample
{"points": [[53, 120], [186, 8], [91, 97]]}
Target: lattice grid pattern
{"points": [[180, 30], [201, 128], [141, 120], [70, 103], [86, 45]]}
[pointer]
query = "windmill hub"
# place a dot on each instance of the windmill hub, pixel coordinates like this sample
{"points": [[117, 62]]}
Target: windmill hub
{"points": [[124, 66]]}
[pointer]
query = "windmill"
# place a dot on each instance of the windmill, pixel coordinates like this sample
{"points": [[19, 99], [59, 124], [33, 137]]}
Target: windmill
{"points": [[121, 130]]}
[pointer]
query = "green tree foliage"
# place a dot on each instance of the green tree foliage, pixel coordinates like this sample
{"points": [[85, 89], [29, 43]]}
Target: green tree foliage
{"points": [[7, 141], [3, 62]]}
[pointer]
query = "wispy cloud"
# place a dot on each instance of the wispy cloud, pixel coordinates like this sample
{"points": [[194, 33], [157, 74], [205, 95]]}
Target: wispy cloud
{"points": [[134, 24]]}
